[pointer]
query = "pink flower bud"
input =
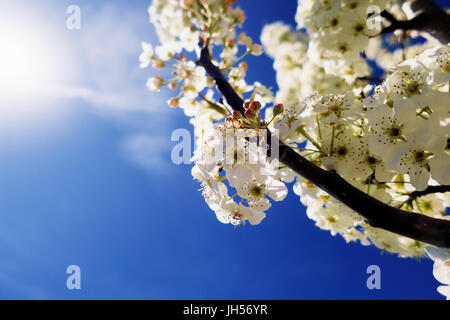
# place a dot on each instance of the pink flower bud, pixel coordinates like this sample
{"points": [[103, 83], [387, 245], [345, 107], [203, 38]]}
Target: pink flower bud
{"points": [[278, 109], [158, 64], [241, 38], [250, 113], [174, 102], [173, 85], [256, 49], [154, 84], [237, 115], [255, 105], [240, 16]]}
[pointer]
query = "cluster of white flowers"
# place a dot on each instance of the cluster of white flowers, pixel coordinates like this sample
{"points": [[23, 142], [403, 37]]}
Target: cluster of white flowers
{"points": [[388, 144], [387, 57], [297, 76], [181, 25], [228, 156], [339, 32], [390, 141]]}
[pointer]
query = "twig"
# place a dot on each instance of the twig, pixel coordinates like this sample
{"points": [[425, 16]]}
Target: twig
{"points": [[412, 197], [430, 190]]}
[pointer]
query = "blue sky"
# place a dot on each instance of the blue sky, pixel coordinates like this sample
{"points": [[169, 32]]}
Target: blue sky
{"points": [[86, 179]]}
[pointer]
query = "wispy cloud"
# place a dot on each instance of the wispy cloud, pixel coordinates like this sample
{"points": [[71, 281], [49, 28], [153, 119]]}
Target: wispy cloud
{"points": [[126, 101], [108, 47], [152, 153], [110, 80]]}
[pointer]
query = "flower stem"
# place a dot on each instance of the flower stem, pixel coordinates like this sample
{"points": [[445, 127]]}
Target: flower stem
{"points": [[215, 106], [314, 142], [332, 140], [235, 61]]}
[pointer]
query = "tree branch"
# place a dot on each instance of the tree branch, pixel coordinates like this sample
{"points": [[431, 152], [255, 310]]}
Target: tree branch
{"points": [[370, 79], [233, 99], [378, 214], [430, 190], [430, 18]]}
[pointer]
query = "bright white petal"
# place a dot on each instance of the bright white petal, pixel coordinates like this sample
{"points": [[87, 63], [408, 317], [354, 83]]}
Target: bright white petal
{"points": [[276, 189], [238, 176], [440, 168], [445, 291], [253, 216]]}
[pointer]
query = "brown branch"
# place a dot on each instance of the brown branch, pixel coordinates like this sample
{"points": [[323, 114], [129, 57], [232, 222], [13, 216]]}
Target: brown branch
{"points": [[430, 18], [378, 214]]}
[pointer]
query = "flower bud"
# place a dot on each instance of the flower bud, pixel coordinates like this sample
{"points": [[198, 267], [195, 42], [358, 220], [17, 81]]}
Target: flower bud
{"points": [[250, 113], [255, 105], [174, 102], [154, 84], [158, 64], [240, 16], [256, 49], [278, 109], [237, 115], [186, 3], [241, 38], [209, 81], [173, 85]]}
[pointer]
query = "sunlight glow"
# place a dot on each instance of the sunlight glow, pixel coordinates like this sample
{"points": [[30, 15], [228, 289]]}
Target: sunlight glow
{"points": [[25, 58], [33, 60]]}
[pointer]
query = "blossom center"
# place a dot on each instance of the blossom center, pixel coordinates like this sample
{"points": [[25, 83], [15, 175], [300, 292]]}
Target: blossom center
{"points": [[395, 132], [341, 151], [257, 191]]}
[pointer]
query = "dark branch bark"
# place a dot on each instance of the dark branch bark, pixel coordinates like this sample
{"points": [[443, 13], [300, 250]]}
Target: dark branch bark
{"points": [[378, 214], [430, 190], [371, 79], [430, 18], [233, 99]]}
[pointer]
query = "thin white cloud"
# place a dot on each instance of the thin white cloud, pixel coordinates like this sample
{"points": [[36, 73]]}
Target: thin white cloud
{"points": [[108, 48], [151, 153], [106, 99], [110, 79]]}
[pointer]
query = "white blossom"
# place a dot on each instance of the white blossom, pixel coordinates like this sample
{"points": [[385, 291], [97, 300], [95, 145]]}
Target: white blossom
{"points": [[441, 268]]}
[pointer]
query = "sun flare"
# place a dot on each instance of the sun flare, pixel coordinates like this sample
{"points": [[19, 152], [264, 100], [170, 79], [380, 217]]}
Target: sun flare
{"points": [[26, 58]]}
